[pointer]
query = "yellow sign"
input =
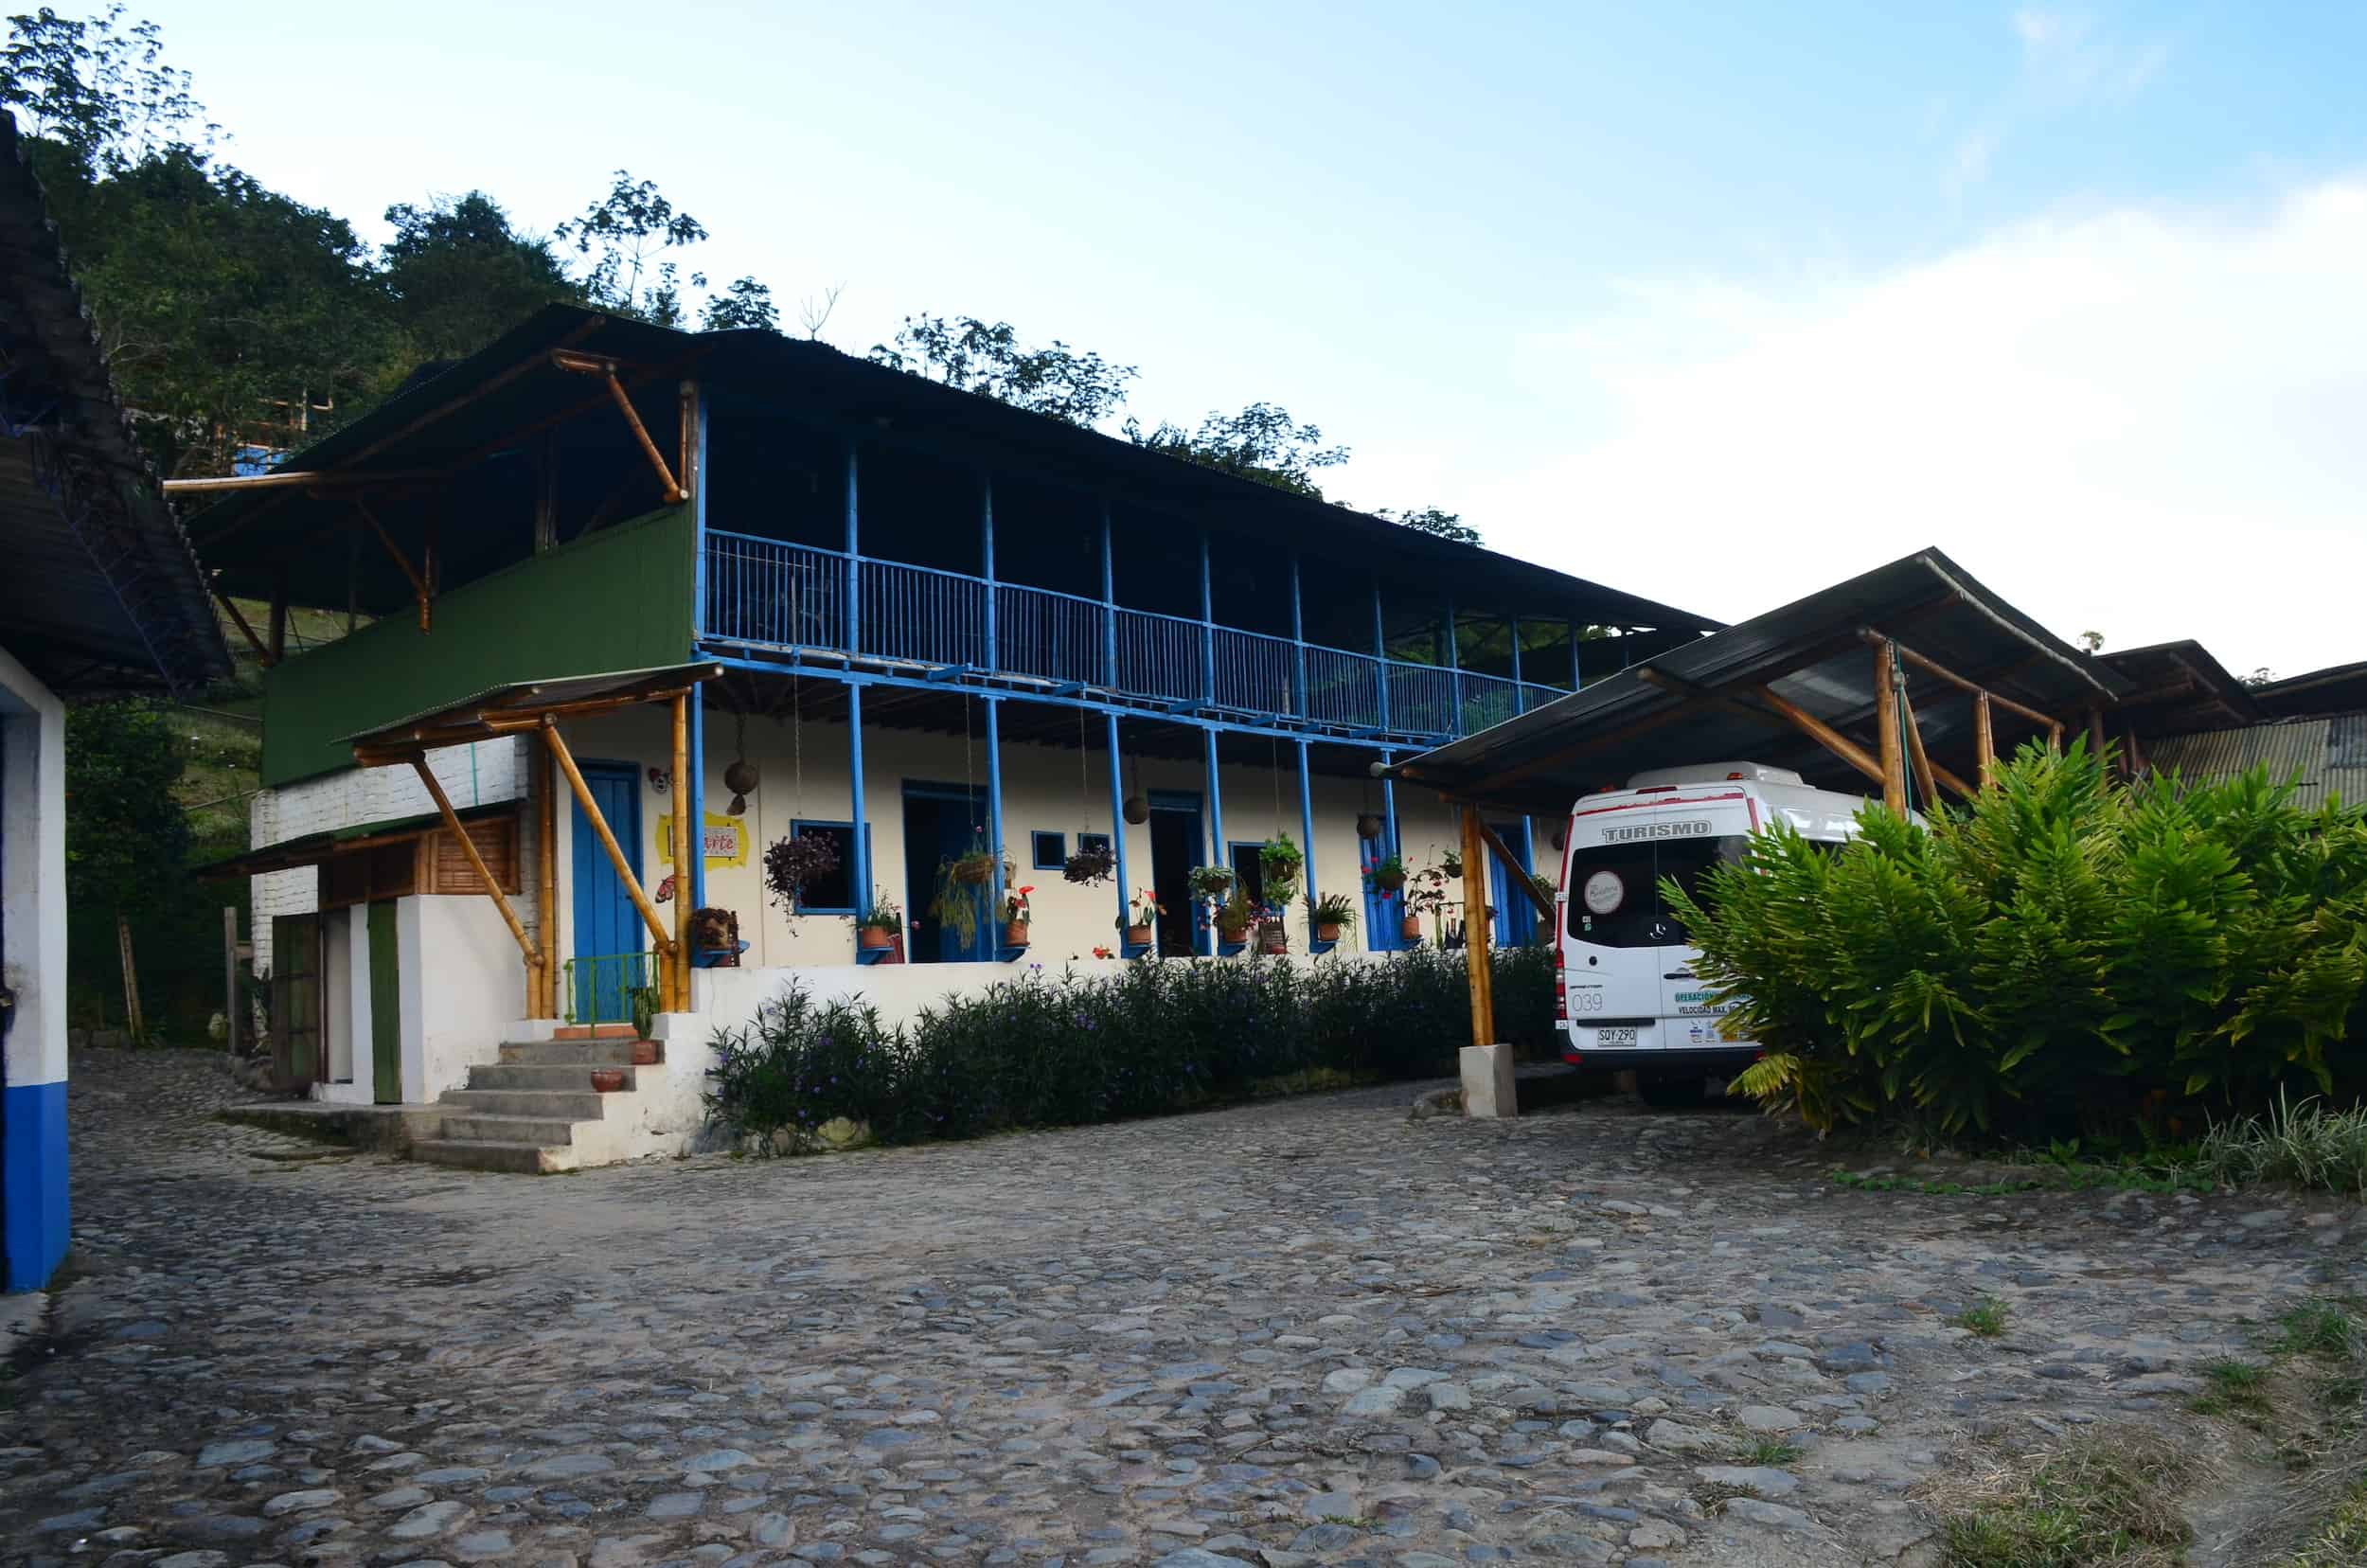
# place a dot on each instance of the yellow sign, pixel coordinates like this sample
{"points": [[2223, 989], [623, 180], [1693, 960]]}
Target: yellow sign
{"points": [[726, 840]]}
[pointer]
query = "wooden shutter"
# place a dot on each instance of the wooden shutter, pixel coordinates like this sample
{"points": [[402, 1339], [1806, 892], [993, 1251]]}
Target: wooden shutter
{"points": [[496, 839]]}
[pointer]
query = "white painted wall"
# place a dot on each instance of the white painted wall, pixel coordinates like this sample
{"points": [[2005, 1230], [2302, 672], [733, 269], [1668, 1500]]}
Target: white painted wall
{"points": [[33, 874], [463, 988], [346, 1008]]}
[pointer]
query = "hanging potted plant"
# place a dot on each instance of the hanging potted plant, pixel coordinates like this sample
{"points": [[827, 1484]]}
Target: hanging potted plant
{"points": [[877, 926], [1234, 917], [1387, 875], [1451, 864], [1279, 862], [1144, 909], [1211, 883], [1090, 867], [960, 903], [1016, 917], [1367, 825], [1330, 914], [794, 863], [972, 869], [715, 936]]}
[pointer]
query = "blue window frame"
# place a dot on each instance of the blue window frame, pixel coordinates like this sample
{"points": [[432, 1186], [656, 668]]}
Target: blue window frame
{"points": [[834, 894], [1051, 849]]}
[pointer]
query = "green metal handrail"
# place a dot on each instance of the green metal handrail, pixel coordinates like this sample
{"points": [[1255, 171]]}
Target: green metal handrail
{"points": [[600, 987]]}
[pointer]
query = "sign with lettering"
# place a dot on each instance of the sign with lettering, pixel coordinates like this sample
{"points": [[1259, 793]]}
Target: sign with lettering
{"points": [[726, 840]]}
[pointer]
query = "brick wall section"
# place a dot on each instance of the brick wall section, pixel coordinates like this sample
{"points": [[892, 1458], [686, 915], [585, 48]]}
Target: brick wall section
{"points": [[476, 774]]}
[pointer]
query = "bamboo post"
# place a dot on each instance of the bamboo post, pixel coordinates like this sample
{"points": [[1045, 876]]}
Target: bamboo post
{"points": [[230, 981], [546, 848], [1475, 930], [675, 495], [686, 844], [134, 1022], [1983, 741], [1886, 725], [468, 848], [2095, 733], [607, 838], [1916, 756]]}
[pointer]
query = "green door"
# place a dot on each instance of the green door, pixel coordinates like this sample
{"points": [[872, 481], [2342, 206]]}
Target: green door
{"points": [[385, 1008], [296, 1000]]}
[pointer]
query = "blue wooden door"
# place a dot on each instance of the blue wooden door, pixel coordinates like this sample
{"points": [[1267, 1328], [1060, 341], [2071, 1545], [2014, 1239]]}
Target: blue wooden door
{"points": [[1516, 917], [1384, 912], [609, 935]]}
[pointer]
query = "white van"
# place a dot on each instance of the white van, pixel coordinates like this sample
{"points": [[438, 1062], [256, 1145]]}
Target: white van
{"points": [[1627, 992]]}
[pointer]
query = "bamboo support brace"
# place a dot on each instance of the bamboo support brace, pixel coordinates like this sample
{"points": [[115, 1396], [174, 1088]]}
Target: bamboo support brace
{"points": [[608, 840], [1886, 728], [1513, 873], [683, 851], [468, 847], [1983, 741], [1822, 734], [674, 492], [240, 620], [546, 848], [418, 583]]}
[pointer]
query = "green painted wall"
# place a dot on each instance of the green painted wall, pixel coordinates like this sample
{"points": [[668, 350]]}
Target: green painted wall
{"points": [[621, 599]]}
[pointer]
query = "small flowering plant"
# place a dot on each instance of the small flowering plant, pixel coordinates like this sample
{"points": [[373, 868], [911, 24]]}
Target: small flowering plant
{"points": [[1144, 908], [1103, 953], [1015, 909]]}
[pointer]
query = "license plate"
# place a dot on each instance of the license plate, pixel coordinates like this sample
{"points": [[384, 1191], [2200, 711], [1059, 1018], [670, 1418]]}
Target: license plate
{"points": [[1607, 1040]]}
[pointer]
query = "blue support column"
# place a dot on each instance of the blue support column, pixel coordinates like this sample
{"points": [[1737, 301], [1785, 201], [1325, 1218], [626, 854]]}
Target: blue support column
{"points": [[995, 891], [854, 571], [1117, 832], [1298, 643], [1207, 627], [859, 882], [988, 656], [1520, 692], [1217, 854], [1380, 654], [1455, 663], [1109, 605], [1575, 681], [1393, 843], [1307, 849]]}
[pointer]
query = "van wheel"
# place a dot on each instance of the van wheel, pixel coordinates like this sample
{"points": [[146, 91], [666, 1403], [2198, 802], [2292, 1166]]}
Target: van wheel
{"points": [[1676, 1094]]}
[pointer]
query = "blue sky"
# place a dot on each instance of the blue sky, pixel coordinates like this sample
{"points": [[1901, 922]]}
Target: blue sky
{"points": [[1716, 303]]}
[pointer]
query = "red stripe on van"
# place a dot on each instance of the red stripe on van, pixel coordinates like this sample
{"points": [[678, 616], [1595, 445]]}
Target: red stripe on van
{"points": [[1665, 800]]}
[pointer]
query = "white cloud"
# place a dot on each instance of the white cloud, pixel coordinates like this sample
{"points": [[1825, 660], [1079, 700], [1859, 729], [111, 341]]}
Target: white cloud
{"points": [[2145, 422]]}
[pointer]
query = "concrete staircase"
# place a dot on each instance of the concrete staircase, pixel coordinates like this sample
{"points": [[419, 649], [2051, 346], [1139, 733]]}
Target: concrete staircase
{"points": [[534, 1110]]}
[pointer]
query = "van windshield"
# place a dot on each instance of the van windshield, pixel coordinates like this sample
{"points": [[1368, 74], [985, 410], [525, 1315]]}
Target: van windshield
{"points": [[1615, 888]]}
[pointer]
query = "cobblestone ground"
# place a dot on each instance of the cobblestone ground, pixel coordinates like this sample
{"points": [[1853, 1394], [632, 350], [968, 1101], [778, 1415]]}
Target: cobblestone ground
{"points": [[1306, 1331]]}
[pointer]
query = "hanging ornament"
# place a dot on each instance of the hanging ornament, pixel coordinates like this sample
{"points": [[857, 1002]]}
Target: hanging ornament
{"points": [[740, 777], [1136, 810], [1367, 825]]}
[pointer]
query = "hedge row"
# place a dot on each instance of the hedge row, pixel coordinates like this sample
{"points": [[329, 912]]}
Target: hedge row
{"points": [[1047, 1051]]}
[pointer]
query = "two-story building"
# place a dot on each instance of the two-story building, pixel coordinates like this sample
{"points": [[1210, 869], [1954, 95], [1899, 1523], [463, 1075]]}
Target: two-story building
{"points": [[618, 578]]}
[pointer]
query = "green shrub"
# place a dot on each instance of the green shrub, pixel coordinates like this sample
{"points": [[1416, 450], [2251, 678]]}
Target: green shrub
{"points": [[1045, 1051], [2056, 949]]}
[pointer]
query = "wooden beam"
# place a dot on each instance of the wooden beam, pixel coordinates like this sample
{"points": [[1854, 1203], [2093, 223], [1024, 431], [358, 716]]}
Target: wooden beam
{"points": [[1984, 739], [1822, 734], [2095, 732], [674, 492], [1475, 931], [687, 460], [532, 362], [418, 583], [1929, 774], [286, 479], [468, 848], [1932, 668], [238, 620], [1515, 872], [686, 844], [608, 839], [1886, 729], [279, 617], [546, 877]]}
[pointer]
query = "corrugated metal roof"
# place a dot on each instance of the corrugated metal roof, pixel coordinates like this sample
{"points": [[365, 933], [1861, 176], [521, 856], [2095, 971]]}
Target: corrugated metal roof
{"points": [[102, 593], [2323, 757], [514, 697], [1812, 653]]}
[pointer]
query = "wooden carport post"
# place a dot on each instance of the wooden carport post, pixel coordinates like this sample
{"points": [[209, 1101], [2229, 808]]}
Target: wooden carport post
{"points": [[684, 841], [1886, 725], [1983, 741], [1486, 1066]]}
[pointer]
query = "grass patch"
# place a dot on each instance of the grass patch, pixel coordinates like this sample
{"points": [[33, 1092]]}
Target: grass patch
{"points": [[2239, 1388], [2106, 1497], [1771, 1452], [2341, 1542], [2320, 1328], [1985, 1318], [2307, 1145]]}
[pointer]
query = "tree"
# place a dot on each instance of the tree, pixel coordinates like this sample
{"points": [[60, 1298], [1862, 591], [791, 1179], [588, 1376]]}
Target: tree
{"points": [[1261, 442], [97, 91], [744, 302], [624, 230], [457, 275], [963, 352], [1432, 520]]}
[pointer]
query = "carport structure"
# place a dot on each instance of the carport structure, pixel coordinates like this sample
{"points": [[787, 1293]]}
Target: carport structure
{"points": [[1912, 677]]}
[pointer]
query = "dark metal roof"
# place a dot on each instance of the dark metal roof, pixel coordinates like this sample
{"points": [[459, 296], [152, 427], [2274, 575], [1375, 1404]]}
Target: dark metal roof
{"points": [[312, 848], [513, 700], [102, 594], [1690, 704], [2335, 688], [441, 424], [2177, 687]]}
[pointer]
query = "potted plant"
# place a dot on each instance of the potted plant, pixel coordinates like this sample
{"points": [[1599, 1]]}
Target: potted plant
{"points": [[714, 938], [1141, 912], [1329, 916], [1279, 863], [1090, 867], [1425, 894], [1211, 883], [793, 864], [960, 902], [1451, 864], [879, 925], [1388, 875], [1234, 917], [1016, 917]]}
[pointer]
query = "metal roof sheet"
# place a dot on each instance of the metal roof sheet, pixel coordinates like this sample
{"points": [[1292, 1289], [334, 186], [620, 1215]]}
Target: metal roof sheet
{"points": [[1811, 651], [525, 696], [2324, 758]]}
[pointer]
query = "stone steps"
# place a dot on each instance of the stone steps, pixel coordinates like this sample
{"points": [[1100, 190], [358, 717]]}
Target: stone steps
{"points": [[543, 1132], [523, 1158], [564, 1104], [567, 1053], [541, 1075]]}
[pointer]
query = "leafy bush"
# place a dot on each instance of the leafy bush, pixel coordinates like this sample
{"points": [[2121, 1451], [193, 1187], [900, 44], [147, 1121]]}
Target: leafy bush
{"points": [[2057, 949], [1045, 1051]]}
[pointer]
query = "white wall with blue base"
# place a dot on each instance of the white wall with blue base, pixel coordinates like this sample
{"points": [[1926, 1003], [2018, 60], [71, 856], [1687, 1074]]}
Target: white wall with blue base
{"points": [[33, 1207]]}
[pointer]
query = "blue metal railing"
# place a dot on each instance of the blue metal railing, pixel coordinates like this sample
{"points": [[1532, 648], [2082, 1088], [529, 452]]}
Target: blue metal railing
{"points": [[765, 593]]}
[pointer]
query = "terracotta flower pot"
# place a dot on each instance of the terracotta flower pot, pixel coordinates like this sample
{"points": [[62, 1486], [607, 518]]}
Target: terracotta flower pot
{"points": [[872, 936], [1015, 934], [607, 1080], [1138, 934], [1273, 938], [646, 1053], [1409, 929], [1326, 934]]}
